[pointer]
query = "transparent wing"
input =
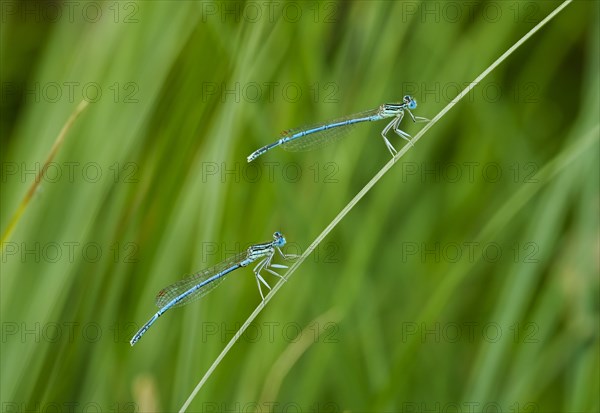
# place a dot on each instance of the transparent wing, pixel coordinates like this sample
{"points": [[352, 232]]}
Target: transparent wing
{"points": [[325, 133], [174, 290]]}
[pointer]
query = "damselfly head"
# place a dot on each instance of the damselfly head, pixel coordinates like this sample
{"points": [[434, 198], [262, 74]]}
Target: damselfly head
{"points": [[279, 239], [410, 102]]}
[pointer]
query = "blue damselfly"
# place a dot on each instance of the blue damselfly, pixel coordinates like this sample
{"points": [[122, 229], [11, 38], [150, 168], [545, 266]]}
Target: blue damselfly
{"points": [[311, 137], [198, 285]]}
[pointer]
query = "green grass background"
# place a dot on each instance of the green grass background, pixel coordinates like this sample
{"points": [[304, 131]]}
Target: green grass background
{"points": [[534, 318]]}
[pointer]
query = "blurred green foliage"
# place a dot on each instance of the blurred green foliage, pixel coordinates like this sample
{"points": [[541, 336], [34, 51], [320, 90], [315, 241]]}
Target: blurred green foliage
{"points": [[467, 277]]}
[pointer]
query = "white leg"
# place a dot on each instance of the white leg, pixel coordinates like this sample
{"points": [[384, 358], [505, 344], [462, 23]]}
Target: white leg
{"points": [[256, 270], [260, 289], [266, 263], [417, 118], [389, 145], [274, 273], [403, 134], [260, 264], [286, 257], [262, 280]]}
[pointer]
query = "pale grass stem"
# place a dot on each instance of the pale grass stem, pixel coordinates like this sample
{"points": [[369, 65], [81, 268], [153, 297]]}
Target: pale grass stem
{"points": [[40, 175]]}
